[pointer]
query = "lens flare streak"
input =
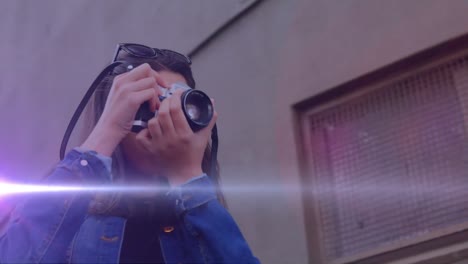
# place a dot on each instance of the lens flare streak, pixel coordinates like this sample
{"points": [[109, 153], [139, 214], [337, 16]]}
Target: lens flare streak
{"points": [[8, 188], [13, 188]]}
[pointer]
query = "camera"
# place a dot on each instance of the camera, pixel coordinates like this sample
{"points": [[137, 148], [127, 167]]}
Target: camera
{"points": [[196, 106]]}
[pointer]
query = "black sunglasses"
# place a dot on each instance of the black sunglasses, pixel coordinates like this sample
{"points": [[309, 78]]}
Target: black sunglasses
{"points": [[142, 51]]}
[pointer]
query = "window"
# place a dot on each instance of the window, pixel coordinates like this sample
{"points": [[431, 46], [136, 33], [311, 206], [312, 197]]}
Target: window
{"points": [[387, 158]]}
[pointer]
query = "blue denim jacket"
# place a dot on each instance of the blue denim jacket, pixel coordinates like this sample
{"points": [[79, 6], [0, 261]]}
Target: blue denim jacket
{"points": [[55, 227]]}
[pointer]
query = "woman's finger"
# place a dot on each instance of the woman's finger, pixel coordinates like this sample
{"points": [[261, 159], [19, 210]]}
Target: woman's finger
{"points": [[139, 97], [179, 120], [164, 118], [159, 79], [145, 139], [154, 103], [142, 84], [154, 128], [140, 72]]}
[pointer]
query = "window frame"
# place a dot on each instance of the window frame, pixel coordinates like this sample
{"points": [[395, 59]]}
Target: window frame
{"points": [[411, 65]]}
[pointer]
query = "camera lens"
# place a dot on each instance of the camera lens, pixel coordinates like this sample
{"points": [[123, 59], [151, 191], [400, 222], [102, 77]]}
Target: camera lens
{"points": [[196, 106], [198, 109], [192, 111]]}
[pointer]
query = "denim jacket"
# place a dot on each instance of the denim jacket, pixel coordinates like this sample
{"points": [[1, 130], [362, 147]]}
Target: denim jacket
{"points": [[55, 227]]}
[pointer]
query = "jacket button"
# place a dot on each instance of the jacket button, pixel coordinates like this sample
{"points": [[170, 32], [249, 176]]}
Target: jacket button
{"points": [[168, 229], [84, 162]]}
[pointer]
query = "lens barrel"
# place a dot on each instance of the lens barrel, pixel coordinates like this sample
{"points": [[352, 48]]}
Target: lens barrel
{"points": [[196, 106]]}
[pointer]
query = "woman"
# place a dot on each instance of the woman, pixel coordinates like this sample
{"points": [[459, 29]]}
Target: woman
{"points": [[187, 224]]}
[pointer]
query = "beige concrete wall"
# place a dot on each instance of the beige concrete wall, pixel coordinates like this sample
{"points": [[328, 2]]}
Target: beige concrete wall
{"points": [[280, 54], [239, 69]]}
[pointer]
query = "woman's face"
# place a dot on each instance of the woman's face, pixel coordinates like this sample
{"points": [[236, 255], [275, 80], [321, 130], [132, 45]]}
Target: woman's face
{"points": [[135, 154]]}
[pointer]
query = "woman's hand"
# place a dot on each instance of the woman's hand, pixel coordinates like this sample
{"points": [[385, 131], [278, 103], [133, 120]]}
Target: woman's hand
{"points": [[175, 147], [128, 92]]}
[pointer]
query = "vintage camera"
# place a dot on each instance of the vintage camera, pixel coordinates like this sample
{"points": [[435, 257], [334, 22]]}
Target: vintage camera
{"points": [[196, 106]]}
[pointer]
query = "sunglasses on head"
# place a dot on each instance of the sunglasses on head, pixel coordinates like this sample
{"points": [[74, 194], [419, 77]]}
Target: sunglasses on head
{"points": [[142, 51]]}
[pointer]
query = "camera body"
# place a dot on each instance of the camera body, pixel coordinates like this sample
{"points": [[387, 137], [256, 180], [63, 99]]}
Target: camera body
{"points": [[196, 106], [166, 93]]}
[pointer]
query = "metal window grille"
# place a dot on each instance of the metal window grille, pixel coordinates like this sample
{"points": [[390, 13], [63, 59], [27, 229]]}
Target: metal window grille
{"points": [[390, 164]]}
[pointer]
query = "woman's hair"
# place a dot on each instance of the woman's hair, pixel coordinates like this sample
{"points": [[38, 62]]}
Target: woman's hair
{"points": [[113, 204]]}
